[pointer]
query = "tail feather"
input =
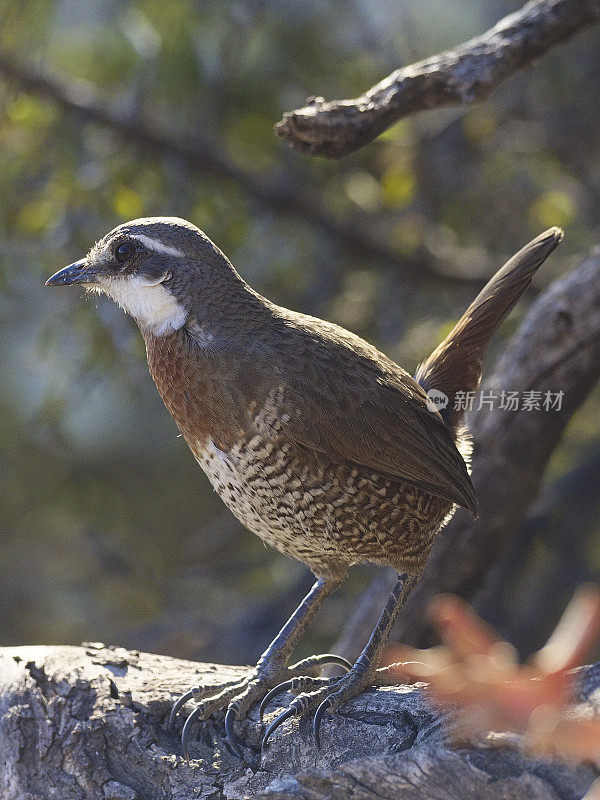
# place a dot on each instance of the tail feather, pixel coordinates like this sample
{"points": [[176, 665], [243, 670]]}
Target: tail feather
{"points": [[455, 365]]}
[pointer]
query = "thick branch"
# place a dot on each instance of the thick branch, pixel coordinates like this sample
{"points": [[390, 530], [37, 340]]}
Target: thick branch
{"points": [[89, 723], [556, 349], [466, 75], [283, 195]]}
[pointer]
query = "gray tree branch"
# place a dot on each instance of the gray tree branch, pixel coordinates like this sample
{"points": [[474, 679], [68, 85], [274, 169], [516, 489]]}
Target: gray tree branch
{"points": [[88, 723], [466, 75]]}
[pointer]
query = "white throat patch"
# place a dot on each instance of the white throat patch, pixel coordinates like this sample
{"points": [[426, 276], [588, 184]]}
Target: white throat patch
{"points": [[150, 303]]}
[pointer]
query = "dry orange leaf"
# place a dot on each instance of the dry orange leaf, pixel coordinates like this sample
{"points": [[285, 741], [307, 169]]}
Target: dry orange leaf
{"points": [[477, 675]]}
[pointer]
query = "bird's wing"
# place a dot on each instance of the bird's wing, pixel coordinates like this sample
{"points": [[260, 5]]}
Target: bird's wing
{"points": [[362, 409]]}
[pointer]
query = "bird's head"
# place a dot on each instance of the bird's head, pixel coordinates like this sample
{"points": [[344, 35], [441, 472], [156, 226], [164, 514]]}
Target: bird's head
{"points": [[153, 268]]}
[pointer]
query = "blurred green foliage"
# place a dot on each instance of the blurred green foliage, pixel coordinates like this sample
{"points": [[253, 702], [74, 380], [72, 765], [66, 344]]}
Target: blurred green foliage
{"points": [[109, 530]]}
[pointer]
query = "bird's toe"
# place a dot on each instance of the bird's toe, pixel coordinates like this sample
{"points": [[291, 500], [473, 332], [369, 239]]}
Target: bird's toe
{"points": [[324, 694]]}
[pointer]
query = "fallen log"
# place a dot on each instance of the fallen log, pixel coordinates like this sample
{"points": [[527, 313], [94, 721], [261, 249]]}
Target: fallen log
{"points": [[89, 723]]}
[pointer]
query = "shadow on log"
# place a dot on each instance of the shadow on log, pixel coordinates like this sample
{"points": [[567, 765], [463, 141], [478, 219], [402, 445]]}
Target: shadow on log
{"points": [[89, 723]]}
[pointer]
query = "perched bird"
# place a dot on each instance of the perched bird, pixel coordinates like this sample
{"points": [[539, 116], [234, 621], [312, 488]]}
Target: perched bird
{"points": [[318, 443]]}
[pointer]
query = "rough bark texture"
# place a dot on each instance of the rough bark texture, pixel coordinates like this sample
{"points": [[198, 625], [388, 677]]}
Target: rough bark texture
{"points": [[466, 75], [89, 722]]}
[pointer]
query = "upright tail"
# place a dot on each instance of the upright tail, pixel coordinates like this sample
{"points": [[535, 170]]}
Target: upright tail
{"points": [[455, 365]]}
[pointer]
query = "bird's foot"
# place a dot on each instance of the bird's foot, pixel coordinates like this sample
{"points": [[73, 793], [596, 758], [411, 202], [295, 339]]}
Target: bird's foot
{"points": [[238, 696], [326, 695]]}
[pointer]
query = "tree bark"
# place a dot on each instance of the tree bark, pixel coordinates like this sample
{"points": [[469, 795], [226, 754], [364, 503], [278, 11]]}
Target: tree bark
{"points": [[89, 723], [466, 75]]}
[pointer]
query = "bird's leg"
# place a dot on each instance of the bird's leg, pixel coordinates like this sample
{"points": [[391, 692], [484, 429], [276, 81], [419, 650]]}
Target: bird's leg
{"points": [[364, 672], [272, 665], [278, 652], [270, 670]]}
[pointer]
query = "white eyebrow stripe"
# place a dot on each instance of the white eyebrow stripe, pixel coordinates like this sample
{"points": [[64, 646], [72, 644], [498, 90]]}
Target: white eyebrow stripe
{"points": [[158, 247]]}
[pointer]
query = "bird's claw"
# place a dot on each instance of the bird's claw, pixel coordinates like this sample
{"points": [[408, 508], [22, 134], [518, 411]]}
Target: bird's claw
{"points": [[239, 695], [187, 727], [301, 704], [177, 706], [218, 696], [309, 665], [320, 712], [332, 693], [300, 684], [232, 737], [295, 707]]}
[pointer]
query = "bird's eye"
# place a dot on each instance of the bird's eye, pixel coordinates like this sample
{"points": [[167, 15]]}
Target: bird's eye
{"points": [[124, 251]]}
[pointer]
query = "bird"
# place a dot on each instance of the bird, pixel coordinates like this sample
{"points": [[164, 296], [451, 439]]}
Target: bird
{"points": [[316, 441]]}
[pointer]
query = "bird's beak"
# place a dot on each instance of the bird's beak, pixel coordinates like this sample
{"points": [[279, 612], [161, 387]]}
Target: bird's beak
{"points": [[78, 272]]}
